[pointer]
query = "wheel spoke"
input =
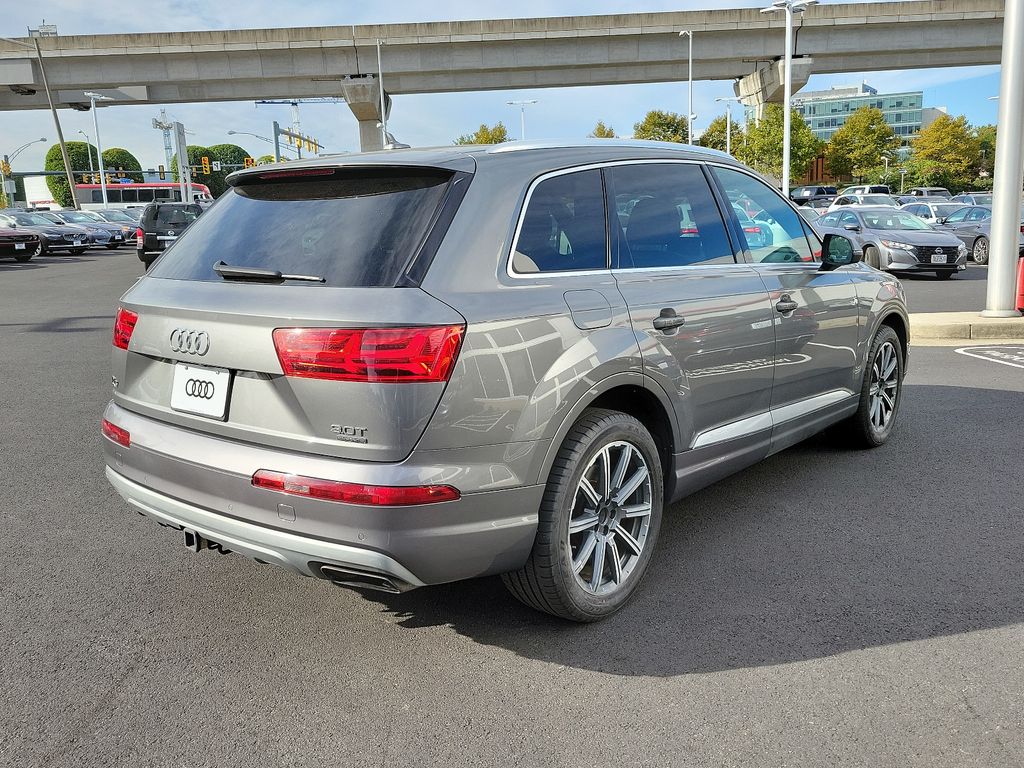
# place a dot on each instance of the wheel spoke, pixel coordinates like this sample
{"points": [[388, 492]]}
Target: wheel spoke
{"points": [[636, 510], [598, 573], [631, 485], [584, 552], [589, 492], [888, 399], [606, 472], [627, 537], [620, 469], [613, 553], [875, 405], [888, 371], [584, 522]]}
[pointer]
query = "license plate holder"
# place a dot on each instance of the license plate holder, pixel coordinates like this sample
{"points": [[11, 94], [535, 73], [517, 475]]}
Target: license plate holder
{"points": [[939, 259], [19, 246], [201, 391], [77, 243]]}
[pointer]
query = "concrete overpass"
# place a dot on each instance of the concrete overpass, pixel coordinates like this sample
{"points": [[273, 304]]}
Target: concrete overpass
{"points": [[738, 44]]}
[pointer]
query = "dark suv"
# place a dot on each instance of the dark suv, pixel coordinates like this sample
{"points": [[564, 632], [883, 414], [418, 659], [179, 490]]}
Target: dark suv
{"points": [[415, 366], [161, 224], [813, 196]]}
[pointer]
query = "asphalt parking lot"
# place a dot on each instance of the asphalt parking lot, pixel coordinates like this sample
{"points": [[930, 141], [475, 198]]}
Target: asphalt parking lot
{"points": [[825, 608], [962, 293]]}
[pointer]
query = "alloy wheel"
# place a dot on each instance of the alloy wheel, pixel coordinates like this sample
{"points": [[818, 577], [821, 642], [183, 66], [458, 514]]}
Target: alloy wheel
{"points": [[610, 519], [884, 389]]}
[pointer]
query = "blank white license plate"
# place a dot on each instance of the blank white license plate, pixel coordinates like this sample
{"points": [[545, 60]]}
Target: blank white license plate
{"points": [[939, 259], [203, 391], [19, 246], [77, 242]]}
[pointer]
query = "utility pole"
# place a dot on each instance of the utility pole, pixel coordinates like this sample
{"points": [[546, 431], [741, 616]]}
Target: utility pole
{"points": [[689, 76], [162, 124]]}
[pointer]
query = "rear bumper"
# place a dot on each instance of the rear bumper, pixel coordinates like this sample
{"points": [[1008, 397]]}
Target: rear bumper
{"points": [[204, 484]]}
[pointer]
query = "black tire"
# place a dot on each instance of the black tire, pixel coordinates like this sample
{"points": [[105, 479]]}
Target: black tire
{"points": [[945, 274], [979, 251], [112, 246], [871, 257], [548, 581], [860, 430], [21, 258]]}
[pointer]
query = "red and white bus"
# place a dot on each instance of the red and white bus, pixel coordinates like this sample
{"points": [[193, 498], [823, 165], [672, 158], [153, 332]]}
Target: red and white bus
{"points": [[135, 194]]}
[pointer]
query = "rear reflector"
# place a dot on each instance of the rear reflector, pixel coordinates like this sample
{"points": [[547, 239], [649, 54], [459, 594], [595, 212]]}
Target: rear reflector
{"points": [[353, 493], [393, 355], [124, 325], [115, 433]]}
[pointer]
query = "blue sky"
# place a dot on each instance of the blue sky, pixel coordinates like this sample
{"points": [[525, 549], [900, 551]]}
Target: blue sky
{"points": [[418, 120]]}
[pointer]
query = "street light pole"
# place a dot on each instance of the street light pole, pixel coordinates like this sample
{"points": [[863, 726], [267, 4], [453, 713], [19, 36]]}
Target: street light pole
{"points": [[1008, 174], [728, 121], [383, 111], [93, 97], [522, 114], [790, 7], [88, 149], [6, 161], [689, 76]]}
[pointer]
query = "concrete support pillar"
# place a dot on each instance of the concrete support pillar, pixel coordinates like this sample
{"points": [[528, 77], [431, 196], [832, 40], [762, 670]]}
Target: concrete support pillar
{"points": [[363, 97], [766, 84], [1009, 170]]}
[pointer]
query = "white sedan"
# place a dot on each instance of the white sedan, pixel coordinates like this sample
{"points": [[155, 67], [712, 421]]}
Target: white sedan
{"points": [[845, 200]]}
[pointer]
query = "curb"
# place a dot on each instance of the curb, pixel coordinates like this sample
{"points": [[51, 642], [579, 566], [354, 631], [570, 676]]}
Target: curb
{"points": [[964, 325]]}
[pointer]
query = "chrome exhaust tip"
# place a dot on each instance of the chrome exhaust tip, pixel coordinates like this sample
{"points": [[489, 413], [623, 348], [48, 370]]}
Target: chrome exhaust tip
{"points": [[350, 577]]}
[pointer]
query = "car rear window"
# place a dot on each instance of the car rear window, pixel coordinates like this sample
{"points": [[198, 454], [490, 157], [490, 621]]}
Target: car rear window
{"points": [[353, 227], [175, 215]]}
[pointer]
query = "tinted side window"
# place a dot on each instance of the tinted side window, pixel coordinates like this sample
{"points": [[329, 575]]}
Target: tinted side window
{"points": [[666, 217], [787, 240], [848, 218], [958, 215], [564, 226], [829, 220]]}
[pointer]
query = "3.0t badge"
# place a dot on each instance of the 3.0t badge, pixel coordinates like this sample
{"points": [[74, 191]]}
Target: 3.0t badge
{"points": [[190, 342]]}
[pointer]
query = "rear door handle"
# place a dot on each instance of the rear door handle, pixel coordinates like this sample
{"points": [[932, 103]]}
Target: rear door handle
{"points": [[668, 320], [785, 304]]}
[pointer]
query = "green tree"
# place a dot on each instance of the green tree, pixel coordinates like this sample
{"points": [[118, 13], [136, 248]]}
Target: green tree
{"points": [[116, 158], [602, 131], [858, 147], [264, 159], [714, 136], [763, 149], [229, 155], [986, 136], [195, 153], [661, 126], [495, 134], [78, 153], [945, 154]]}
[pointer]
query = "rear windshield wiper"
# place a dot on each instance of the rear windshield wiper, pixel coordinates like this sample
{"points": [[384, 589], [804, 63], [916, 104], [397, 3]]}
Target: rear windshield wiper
{"points": [[258, 275]]}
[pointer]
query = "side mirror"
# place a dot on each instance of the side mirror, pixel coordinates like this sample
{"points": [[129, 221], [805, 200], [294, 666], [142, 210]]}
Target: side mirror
{"points": [[852, 227], [940, 219], [838, 251]]}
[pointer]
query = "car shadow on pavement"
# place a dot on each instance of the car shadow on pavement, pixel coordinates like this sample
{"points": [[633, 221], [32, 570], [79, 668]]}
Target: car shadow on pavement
{"points": [[814, 552], [41, 262]]}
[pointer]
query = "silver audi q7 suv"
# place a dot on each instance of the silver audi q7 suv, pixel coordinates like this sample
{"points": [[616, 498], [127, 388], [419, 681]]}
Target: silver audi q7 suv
{"points": [[409, 367]]}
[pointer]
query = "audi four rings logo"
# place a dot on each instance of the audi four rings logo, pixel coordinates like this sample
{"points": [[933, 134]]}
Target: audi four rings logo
{"points": [[189, 341], [199, 388]]}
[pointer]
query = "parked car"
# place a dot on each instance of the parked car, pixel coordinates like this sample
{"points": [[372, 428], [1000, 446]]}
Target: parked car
{"points": [[867, 189], [129, 224], [874, 200], [932, 212], [973, 198], [929, 192], [897, 241], [108, 235], [89, 235], [973, 225], [53, 238], [160, 225], [810, 215], [18, 243], [813, 196], [391, 370]]}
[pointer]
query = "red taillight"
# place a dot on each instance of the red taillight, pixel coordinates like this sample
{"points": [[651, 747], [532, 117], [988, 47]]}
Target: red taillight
{"points": [[115, 433], [689, 231], [124, 325], [297, 173], [140, 236], [353, 493], [752, 230], [369, 354]]}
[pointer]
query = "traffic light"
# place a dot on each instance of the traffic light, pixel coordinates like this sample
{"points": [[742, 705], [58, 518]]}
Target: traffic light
{"points": [[163, 173], [250, 162], [206, 165]]}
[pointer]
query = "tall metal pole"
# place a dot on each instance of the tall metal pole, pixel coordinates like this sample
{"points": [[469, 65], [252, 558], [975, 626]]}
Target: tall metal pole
{"points": [[383, 111], [689, 104], [277, 142], [787, 96], [728, 127], [522, 121], [88, 149], [56, 123], [99, 148], [1009, 169]]}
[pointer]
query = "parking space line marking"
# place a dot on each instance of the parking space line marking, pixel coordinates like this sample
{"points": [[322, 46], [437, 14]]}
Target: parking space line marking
{"points": [[997, 351]]}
